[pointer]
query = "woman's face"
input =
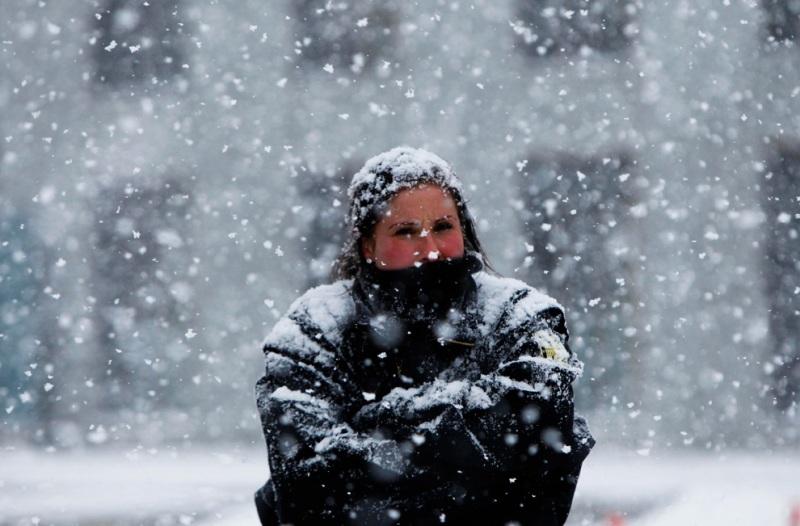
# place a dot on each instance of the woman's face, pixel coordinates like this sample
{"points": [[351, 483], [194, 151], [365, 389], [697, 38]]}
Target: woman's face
{"points": [[420, 224]]}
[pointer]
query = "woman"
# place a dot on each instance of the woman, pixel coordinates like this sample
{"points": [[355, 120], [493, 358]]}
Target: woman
{"points": [[418, 388]]}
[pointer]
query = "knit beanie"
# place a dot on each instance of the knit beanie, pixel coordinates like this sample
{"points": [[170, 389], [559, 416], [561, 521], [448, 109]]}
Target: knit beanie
{"points": [[389, 172]]}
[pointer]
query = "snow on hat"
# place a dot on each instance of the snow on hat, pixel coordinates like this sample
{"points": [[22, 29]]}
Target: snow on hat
{"points": [[389, 172]]}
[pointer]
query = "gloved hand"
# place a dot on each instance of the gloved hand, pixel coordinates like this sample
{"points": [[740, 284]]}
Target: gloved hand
{"points": [[446, 441]]}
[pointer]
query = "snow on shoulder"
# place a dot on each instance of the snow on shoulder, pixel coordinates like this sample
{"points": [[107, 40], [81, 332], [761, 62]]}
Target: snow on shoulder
{"points": [[495, 293], [508, 304], [324, 309]]}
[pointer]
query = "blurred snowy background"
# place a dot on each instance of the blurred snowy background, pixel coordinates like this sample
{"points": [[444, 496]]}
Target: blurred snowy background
{"points": [[172, 175]]}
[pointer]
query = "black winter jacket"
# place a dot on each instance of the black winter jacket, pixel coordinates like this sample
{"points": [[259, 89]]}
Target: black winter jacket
{"points": [[372, 419]]}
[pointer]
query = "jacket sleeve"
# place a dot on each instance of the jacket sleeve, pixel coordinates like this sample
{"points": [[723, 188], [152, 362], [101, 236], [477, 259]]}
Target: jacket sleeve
{"points": [[527, 415], [528, 420], [513, 419], [318, 463]]}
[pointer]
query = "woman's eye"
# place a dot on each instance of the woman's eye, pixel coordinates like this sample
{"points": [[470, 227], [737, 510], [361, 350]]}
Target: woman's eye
{"points": [[403, 232], [443, 226]]}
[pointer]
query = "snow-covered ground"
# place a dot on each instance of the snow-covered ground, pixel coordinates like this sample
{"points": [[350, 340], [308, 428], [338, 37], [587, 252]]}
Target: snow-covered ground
{"points": [[722, 489], [214, 487], [150, 487]]}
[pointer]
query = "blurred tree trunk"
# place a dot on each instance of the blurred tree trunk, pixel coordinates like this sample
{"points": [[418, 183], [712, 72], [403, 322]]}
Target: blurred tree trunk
{"points": [[48, 343], [781, 204]]}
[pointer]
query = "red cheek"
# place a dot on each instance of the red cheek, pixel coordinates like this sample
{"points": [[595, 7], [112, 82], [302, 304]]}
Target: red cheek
{"points": [[451, 245], [400, 252], [397, 253]]}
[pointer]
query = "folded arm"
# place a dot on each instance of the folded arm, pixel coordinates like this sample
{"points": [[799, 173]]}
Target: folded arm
{"points": [[319, 464], [516, 417], [507, 425]]}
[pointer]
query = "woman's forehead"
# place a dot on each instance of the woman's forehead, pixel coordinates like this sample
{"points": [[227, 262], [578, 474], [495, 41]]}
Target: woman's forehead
{"points": [[421, 198]]}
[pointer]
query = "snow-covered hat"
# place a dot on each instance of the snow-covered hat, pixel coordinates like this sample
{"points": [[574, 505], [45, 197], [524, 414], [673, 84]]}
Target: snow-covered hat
{"points": [[389, 172], [378, 181]]}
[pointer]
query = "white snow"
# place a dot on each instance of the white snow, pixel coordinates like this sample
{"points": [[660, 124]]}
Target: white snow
{"points": [[403, 161], [431, 394], [95, 486], [547, 365], [328, 305], [285, 394], [494, 293], [215, 487], [407, 165], [734, 488]]}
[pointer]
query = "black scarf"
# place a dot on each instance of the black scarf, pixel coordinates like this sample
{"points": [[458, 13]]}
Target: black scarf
{"points": [[410, 323], [419, 294]]}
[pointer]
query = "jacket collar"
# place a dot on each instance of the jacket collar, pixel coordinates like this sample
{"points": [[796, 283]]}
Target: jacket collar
{"points": [[417, 294]]}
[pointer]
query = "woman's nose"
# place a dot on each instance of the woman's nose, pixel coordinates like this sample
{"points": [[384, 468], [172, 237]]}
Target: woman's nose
{"points": [[430, 250]]}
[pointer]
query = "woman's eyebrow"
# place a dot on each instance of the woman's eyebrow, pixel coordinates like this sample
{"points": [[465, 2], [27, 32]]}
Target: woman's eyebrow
{"points": [[404, 223], [417, 223]]}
